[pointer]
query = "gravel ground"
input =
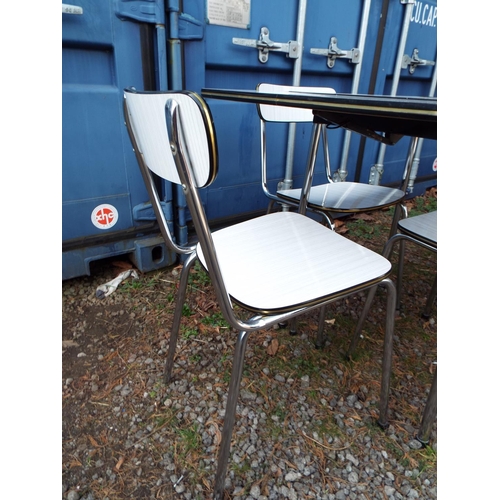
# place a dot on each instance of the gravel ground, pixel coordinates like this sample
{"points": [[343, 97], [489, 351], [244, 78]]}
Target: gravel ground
{"points": [[305, 424]]}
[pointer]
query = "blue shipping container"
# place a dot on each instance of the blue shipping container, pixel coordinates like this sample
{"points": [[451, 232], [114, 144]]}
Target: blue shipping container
{"points": [[368, 47]]}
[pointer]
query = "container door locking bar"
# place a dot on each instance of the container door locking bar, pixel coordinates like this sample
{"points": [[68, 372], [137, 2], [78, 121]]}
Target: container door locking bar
{"points": [[264, 44], [412, 62], [354, 55]]}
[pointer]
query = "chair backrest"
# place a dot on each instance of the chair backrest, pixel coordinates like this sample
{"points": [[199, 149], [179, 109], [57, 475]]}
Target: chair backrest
{"points": [[285, 114], [173, 135], [270, 113], [146, 120], [145, 112]]}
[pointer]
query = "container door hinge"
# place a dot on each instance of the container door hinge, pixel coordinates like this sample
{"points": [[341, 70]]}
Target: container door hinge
{"points": [[190, 28], [412, 62], [264, 44], [333, 52], [145, 11]]}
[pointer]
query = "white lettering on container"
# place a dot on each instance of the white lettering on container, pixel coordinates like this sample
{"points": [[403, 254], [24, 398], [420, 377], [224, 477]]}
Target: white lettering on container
{"points": [[424, 14]]}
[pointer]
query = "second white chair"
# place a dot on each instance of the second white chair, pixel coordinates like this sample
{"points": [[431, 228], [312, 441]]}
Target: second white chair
{"points": [[331, 198]]}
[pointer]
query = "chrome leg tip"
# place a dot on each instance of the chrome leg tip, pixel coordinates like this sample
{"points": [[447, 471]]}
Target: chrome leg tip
{"points": [[383, 424]]}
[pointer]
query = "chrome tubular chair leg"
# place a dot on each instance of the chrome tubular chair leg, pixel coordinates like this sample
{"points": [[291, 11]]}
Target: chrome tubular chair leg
{"points": [[320, 341], [426, 314], [174, 332], [430, 413], [357, 334], [387, 356], [329, 222], [386, 252], [229, 418], [399, 213], [399, 286]]}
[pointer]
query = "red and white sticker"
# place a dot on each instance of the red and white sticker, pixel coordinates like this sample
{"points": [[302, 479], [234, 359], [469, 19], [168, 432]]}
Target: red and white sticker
{"points": [[104, 216], [435, 165]]}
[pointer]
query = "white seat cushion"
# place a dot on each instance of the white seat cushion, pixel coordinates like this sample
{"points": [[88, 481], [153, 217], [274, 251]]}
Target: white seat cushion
{"points": [[346, 196], [422, 226], [279, 261]]}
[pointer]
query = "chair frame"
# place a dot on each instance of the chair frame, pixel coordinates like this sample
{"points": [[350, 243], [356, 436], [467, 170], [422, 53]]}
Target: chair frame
{"points": [[206, 253], [428, 242]]}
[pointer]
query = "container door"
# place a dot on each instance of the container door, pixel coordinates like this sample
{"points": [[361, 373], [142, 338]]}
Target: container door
{"points": [[103, 51]]}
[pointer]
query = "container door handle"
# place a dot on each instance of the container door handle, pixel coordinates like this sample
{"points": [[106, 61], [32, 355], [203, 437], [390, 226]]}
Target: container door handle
{"points": [[333, 51], [414, 61], [71, 9], [264, 44]]}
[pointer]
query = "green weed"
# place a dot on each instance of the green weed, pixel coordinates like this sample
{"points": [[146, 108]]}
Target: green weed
{"points": [[188, 332], [215, 319]]}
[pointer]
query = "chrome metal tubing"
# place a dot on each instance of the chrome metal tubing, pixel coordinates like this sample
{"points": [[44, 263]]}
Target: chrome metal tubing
{"points": [[320, 340], [402, 238], [371, 293], [430, 413], [176, 323], [361, 321], [388, 341], [399, 280], [387, 356], [313, 153], [229, 417], [430, 300]]}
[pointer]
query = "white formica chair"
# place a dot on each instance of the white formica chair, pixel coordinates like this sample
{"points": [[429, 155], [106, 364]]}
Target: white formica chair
{"points": [[173, 136], [420, 230], [329, 199], [332, 197]]}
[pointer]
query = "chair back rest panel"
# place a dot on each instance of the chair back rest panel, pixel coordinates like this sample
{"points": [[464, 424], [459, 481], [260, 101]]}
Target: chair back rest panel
{"points": [[175, 135], [286, 114], [145, 117], [146, 112]]}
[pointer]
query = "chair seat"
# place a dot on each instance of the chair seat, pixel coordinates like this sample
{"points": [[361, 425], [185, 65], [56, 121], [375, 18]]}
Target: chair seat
{"points": [[348, 197], [421, 227], [281, 261]]}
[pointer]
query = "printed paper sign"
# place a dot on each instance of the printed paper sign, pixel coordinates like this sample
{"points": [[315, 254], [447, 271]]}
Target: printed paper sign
{"points": [[233, 13]]}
